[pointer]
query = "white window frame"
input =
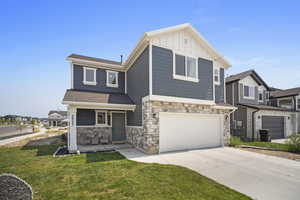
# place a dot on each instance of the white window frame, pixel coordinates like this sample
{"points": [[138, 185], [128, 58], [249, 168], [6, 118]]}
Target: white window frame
{"points": [[106, 118], [181, 77], [219, 76], [249, 97], [260, 91], [117, 79], [84, 76]]}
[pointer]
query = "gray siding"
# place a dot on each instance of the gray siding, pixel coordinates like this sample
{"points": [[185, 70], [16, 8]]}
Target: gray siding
{"points": [[164, 84], [219, 98], [236, 93], [101, 81], [138, 86], [85, 117], [248, 101], [229, 93]]}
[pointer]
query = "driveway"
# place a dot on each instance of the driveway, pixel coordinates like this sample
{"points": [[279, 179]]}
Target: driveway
{"points": [[259, 176]]}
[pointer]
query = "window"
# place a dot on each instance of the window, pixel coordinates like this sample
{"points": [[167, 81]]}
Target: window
{"points": [[217, 75], [260, 95], [249, 92], [185, 68], [111, 79], [89, 76], [103, 118]]}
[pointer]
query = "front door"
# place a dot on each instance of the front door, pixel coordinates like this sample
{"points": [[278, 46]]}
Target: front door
{"points": [[118, 127]]}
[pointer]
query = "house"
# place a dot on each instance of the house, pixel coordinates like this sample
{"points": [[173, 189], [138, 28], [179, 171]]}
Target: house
{"points": [[168, 95], [56, 118], [249, 92], [289, 98]]}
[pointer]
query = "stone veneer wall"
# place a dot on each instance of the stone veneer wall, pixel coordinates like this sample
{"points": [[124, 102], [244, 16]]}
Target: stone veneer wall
{"points": [[92, 135], [147, 137]]}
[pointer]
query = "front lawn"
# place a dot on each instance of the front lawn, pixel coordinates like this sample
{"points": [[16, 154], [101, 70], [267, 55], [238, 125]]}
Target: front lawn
{"points": [[106, 176]]}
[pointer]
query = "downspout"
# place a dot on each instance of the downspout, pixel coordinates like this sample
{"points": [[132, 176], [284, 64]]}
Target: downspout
{"points": [[253, 128]]}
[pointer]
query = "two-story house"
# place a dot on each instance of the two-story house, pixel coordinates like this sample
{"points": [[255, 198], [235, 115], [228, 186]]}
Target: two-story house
{"points": [[289, 98], [168, 95], [56, 118], [249, 92]]}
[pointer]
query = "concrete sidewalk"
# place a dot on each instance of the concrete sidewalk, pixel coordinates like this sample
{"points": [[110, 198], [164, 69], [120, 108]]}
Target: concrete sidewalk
{"points": [[259, 176], [16, 139]]}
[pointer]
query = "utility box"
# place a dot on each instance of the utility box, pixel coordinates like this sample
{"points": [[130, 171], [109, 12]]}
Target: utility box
{"points": [[264, 135]]}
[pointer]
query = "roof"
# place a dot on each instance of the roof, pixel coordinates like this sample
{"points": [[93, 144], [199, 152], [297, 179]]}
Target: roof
{"points": [[88, 58], [63, 113], [266, 107], [285, 93], [242, 75], [148, 35], [96, 97]]}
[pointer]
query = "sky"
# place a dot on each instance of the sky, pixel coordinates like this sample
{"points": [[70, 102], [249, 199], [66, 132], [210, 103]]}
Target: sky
{"points": [[37, 36]]}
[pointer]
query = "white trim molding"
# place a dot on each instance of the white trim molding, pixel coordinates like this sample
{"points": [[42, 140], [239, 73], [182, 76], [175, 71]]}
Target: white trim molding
{"points": [[107, 79], [107, 106], [97, 64], [84, 76], [178, 100], [219, 76], [225, 107], [150, 68]]}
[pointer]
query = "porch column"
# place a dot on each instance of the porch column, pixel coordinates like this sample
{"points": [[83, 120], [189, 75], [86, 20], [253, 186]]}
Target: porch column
{"points": [[72, 137]]}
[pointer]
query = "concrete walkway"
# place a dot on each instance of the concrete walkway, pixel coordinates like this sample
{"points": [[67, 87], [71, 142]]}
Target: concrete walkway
{"points": [[259, 176], [16, 139]]}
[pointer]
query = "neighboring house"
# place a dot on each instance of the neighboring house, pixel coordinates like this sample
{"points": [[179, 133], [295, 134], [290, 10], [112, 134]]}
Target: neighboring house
{"points": [[249, 92], [56, 118], [289, 98], [168, 95]]}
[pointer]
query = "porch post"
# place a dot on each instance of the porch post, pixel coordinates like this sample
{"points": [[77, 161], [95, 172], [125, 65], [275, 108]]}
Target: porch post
{"points": [[72, 137]]}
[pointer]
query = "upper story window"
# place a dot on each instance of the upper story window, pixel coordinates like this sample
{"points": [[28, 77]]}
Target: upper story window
{"points": [[260, 95], [185, 68], [249, 92], [112, 79], [89, 76], [217, 75]]}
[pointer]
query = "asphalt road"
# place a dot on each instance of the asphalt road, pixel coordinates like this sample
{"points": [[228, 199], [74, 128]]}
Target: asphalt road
{"points": [[13, 131]]}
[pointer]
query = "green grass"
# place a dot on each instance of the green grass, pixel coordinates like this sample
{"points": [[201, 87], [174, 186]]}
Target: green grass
{"points": [[106, 176], [235, 141]]}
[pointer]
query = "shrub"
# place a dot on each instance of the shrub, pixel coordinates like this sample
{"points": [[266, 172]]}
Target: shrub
{"points": [[294, 143], [234, 141]]}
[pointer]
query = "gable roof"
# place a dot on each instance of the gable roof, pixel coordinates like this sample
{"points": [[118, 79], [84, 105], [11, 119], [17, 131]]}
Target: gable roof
{"points": [[244, 74], [62, 113], [148, 35], [285, 93]]}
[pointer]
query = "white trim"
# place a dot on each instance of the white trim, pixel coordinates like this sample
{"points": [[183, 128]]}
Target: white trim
{"points": [[186, 77], [117, 79], [150, 68], [100, 105], [97, 64], [219, 76], [135, 126], [249, 97], [84, 76], [96, 118], [225, 107], [178, 100]]}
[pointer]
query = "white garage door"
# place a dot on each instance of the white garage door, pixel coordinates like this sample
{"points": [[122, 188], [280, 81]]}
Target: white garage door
{"points": [[179, 131]]}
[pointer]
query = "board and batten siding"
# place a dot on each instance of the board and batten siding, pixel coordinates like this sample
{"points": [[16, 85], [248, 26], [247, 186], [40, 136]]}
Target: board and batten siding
{"points": [[138, 86], [100, 79], [164, 84], [219, 89]]}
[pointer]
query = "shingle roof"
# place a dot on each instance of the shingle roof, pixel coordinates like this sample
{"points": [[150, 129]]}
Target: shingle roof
{"points": [[96, 97], [265, 107], [237, 77], [63, 113], [94, 59], [285, 93]]}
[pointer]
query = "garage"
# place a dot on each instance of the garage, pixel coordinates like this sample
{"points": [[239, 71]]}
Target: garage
{"points": [[275, 124], [180, 131]]}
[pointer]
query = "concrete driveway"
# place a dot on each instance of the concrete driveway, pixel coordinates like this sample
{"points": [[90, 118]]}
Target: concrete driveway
{"points": [[259, 176]]}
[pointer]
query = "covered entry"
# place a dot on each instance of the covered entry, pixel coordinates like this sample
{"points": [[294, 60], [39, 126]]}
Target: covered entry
{"points": [[275, 125], [180, 131]]}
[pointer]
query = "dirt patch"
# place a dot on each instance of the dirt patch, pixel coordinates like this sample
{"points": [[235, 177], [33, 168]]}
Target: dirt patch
{"points": [[50, 137], [282, 154]]}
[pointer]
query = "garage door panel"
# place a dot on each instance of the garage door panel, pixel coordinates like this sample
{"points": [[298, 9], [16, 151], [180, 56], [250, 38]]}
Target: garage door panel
{"points": [[275, 125], [189, 131]]}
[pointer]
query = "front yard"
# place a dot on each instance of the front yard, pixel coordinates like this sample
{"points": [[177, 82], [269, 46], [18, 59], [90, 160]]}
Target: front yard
{"points": [[106, 176]]}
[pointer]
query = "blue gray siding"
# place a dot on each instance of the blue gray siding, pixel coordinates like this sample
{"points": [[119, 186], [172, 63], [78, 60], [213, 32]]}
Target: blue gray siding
{"points": [[164, 84], [138, 87], [101, 81], [85, 117], [219, 98]]}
